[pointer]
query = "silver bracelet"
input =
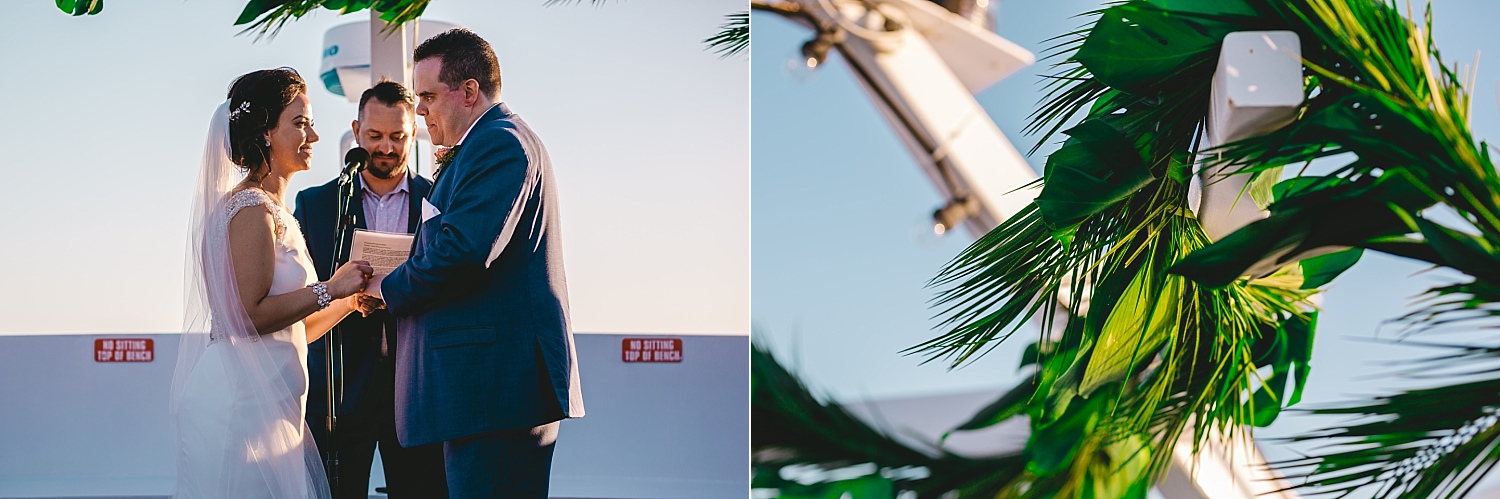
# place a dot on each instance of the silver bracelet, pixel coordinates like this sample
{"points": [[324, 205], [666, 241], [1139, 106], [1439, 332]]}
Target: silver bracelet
{"points": [[321, 290]]}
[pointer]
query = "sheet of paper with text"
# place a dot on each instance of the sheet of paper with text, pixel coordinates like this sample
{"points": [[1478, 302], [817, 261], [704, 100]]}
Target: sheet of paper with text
{"points": [[384, 250]]}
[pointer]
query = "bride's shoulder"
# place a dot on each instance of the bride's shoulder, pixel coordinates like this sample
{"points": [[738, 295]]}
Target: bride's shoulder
{"points": [[244, 198], [249, 196]]}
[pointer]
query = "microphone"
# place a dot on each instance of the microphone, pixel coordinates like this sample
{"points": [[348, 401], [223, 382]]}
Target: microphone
{"points": [[354, 161]]}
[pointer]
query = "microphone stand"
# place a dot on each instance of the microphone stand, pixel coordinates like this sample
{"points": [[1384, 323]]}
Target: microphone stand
{"points": [[335, 346]]}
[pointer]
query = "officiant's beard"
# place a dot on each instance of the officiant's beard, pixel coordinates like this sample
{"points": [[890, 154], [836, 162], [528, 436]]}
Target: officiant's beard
{"points": [[399, 166]]}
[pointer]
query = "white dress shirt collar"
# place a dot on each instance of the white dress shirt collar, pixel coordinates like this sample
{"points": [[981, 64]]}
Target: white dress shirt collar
{"points": [[471, 125]]}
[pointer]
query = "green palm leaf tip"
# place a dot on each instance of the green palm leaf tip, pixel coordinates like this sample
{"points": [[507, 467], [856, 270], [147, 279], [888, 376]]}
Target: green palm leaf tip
{"points": [[791, 426], [266, 17], [733, 36], [1435, 442]]}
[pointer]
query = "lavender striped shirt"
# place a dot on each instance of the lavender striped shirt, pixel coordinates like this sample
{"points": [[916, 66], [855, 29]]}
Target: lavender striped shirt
{"points": [[386, 213]]}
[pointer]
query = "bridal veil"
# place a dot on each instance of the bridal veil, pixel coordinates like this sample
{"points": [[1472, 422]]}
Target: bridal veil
{"points": [[235, 403]]}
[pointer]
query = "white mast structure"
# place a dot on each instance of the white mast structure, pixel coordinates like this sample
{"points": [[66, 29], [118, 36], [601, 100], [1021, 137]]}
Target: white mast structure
{"points": [[922, 61]]}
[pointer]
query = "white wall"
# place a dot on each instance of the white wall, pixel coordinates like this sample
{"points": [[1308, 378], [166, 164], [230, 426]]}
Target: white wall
{"points": [[73, 427]]}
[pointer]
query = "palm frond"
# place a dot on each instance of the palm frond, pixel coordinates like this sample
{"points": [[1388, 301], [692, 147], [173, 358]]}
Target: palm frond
{"points": [[1147, 354], [790, 426], [1071, 456], [265, 18], [733, 36], [1433, 442], [1377, 91]]}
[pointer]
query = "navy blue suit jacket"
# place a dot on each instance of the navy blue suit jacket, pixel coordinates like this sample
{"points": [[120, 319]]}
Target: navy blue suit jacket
{"points": [[483, 302], [317, 212]]}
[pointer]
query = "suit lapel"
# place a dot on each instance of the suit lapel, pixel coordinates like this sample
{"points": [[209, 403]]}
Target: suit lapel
{"points": [[495, 112], [417, 191]]}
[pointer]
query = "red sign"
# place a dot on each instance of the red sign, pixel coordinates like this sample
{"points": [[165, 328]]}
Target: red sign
{"points": [[124, 350], [651, 350]]}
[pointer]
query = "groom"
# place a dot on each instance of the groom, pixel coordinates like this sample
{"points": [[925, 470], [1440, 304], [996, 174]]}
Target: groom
{"points": [[485, 363]]}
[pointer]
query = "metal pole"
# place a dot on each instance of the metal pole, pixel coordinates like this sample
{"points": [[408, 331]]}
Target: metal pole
{"points": [[335, 342]]}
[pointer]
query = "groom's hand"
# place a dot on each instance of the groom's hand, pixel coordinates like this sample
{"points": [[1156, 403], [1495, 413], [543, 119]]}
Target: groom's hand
{"points": [[365, 304]]}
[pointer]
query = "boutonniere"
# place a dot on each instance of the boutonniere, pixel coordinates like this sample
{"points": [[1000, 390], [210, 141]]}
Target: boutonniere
{"points": [[443, 157]]}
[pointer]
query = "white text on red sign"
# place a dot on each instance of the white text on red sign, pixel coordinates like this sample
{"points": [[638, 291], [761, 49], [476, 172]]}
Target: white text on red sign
{"points": [[651, 350], [124, 350]]}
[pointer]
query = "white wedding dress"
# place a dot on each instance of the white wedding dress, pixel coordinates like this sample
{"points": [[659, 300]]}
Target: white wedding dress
{"points": [[215, 438], [239, 397]]}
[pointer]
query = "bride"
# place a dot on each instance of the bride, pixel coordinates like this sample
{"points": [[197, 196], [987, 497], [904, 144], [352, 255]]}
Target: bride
{"points": [[240, 387]]}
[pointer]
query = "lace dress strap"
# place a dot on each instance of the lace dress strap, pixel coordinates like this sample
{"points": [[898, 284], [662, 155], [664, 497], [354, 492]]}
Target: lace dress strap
{"points": [[251, 197]]}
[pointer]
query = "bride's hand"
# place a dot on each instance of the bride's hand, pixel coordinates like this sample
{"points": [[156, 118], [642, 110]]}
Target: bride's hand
{"points": [[365, 304], [349, 279]]}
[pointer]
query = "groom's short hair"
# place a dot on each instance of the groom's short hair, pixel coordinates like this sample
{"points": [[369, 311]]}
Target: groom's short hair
{"points": [[389, 93], [465, 55]]}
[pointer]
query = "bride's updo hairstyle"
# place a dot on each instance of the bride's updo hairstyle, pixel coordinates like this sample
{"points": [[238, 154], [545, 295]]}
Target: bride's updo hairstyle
{"points": [[256, 101]]}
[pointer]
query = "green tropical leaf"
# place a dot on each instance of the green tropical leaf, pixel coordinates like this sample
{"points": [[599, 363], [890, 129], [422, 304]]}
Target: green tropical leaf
{"points": [[1467, 253], [1013, 403], [1134, 44], [1298, 186], [1208, 7], [81, 7], [1018, 258], [256, 8], [1052, 447], [1096, 168], [1434, 442], [1240, 349], [1138, 325], [1321, 270], [1121, 470], [1262, 186], [790, 426], [1382, 95], [1106, 227], [1289, 354], [1316, 218]]}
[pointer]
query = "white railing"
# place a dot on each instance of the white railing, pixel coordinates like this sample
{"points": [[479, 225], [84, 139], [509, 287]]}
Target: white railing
{"points": [[71, 426]]}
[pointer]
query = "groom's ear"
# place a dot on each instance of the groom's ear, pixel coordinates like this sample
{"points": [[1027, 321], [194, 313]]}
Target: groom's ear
{"points": [[355, 125], [471, 92]]}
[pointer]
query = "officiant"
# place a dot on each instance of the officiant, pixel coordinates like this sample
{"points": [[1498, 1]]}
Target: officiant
{"points": [[387, 198]]}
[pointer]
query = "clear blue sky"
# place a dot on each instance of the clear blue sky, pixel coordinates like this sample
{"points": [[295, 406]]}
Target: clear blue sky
{"points": [[106, 115], [842, 244]]}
